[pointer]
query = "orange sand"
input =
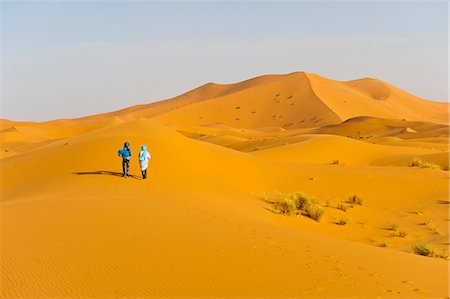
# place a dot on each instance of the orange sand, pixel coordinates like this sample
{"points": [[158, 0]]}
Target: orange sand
{"points": [[201, 225]]}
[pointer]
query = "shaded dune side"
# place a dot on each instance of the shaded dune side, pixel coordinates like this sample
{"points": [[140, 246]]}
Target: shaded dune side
{"points": [[373, 97], [366, 127]]}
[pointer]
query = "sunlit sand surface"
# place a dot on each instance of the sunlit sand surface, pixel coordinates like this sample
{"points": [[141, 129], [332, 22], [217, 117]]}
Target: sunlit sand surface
{"points": [[203, 224]]}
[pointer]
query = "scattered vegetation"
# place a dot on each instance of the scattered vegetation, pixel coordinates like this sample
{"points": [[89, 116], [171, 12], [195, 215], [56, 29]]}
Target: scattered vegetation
{"points": [[426, 249], [355, 199], [342, 221], [342, 207], [417, 162], [299, 202]]}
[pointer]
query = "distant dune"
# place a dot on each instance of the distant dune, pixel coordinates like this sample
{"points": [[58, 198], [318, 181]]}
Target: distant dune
{"points": [[204, 224]]}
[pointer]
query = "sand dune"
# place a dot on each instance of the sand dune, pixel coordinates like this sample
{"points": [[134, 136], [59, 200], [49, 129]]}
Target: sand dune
{"points": [[203, 224]]}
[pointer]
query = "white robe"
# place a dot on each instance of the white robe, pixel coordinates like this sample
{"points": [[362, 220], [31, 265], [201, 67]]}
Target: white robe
{"points": [[143, 159]]}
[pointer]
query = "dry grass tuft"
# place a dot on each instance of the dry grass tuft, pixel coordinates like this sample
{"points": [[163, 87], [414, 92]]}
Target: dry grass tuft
{"points": [[342, 221], [426, 249], [417, 162], [300, 203], [355, 199]]}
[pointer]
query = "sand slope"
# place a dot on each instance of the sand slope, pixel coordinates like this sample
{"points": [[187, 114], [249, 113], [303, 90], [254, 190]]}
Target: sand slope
{"points": [[201, 226]]}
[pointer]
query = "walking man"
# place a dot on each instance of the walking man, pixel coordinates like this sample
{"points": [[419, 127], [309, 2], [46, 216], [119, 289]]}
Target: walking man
{"points": [[125, 153]]}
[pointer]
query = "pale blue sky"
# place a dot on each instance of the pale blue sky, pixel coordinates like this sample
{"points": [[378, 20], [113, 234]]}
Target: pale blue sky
{"points": [[69, 59]]}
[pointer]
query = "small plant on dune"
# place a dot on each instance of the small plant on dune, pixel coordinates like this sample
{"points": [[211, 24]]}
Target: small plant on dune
{"points": [[308, 206], [423, 248], [393, 226], [285, 206], [335, 162], [314, 212], [416, 162], [342, 221], [302, 200], [299, 203], [355, 199], [419, 211], [342, 207], [426, 249], [401, 234], [383, 244], [434, 230], [426, 222]]}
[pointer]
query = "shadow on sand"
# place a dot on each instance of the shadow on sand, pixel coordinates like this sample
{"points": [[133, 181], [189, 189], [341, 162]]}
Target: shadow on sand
{"points": [[103, 172]]}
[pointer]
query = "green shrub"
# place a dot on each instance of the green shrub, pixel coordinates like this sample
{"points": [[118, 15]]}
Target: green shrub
{"points": [[355, 199]]}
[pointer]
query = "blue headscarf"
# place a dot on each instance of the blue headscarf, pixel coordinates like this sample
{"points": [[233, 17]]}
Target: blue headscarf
{"points": [[143, 153]]}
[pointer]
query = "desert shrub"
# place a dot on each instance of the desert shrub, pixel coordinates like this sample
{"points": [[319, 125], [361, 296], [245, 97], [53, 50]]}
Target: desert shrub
{"points": [[285, 206], [298, 202], [401, 234], [416, 162], [314, 212], [303, 200], [426, 222], [308, 206], [336, 162], [434, 230], [393, 226], [419, 211], [383, 244], [342, 221], [342, 207], [426, 249], [355, 199]]}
